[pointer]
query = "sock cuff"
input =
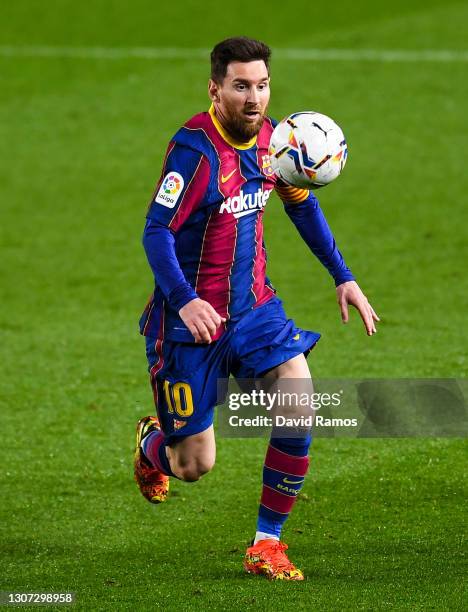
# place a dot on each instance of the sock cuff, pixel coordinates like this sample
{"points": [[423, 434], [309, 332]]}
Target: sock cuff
{"points": [[163, 459], [292, 446], [262, 535], [154, 449]]}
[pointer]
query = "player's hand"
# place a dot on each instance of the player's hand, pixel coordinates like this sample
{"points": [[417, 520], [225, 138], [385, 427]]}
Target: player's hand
{"points": [[350, 293], [201, 319]]}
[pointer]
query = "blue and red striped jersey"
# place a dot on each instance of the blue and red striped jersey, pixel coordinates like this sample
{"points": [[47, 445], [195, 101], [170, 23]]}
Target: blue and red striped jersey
{"points": [[211, 195]]}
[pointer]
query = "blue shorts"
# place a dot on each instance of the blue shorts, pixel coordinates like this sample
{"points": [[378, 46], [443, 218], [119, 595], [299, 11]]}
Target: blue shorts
{"points": [[184, 376]]}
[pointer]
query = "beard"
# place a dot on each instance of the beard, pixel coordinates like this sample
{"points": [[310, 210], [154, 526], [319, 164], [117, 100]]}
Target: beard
{"points": [[242, 130]]}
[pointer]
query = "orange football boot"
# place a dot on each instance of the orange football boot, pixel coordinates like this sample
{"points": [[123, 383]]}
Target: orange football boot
{"points": [[267, 557], [153, 484]]}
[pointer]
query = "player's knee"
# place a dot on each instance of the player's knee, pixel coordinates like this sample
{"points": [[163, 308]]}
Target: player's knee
{"points": [[195, 469]]}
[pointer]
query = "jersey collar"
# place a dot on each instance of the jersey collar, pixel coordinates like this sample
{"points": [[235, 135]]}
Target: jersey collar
{"points": [[226, 136]]}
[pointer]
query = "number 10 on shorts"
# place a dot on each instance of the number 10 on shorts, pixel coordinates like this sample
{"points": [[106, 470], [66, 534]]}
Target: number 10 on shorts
{"points": [[179, 398]]}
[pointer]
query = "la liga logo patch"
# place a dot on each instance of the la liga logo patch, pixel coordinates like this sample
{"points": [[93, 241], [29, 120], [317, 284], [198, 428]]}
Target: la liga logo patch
{"points": [[170, 190], [172, 183]]}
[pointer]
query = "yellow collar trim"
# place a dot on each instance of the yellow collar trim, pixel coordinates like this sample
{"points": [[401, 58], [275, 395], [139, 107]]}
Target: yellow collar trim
{"points": [[226, 136]]}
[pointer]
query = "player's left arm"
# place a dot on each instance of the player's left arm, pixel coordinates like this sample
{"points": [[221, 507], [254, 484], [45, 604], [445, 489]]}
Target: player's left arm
{"points": [[304, 210]]}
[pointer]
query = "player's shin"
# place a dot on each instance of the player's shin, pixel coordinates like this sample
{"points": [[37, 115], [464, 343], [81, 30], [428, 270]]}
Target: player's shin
{"points": [[285, 468]]}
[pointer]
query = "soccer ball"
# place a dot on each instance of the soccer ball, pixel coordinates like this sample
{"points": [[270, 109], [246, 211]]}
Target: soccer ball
{"points": [[307, 150]]}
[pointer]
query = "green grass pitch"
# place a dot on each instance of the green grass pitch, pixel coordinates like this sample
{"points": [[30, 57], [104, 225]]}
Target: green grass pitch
{"points": [[379, 525]]}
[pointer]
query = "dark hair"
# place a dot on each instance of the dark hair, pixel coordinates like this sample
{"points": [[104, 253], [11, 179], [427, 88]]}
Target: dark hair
{"points": [[237, 49]]}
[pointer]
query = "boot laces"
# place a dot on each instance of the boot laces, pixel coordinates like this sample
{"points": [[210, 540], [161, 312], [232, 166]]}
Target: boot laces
{"points": [[278, 556]]}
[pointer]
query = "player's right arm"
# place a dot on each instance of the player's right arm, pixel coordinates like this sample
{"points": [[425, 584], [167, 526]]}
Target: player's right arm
{"points": [[181, 188]]}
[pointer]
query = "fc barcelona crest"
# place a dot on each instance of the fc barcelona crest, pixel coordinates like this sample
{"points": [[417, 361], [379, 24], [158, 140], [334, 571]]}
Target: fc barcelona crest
{"points": [[266, 165]]}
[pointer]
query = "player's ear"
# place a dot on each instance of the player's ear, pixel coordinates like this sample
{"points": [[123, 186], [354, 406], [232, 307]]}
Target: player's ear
{"points": [[213, 91]]}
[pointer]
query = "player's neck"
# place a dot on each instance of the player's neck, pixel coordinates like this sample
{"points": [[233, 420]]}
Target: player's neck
{"points": [[220, 124]]}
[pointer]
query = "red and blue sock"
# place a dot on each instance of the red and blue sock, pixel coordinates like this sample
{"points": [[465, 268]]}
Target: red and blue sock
{"points": [[154, 449], [285, 468]]}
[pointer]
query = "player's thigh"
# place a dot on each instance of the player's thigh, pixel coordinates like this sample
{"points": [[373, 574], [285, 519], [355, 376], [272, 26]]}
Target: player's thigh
{"points": [[291, 383], [267, 343], [294, 368], [183, 378]]}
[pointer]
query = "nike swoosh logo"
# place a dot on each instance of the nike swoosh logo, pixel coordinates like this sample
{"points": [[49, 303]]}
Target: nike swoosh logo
{"points": [[226, 178], [293, 481]]}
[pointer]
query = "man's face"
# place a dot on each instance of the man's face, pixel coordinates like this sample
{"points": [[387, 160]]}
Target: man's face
{"points": [[241, 100]]}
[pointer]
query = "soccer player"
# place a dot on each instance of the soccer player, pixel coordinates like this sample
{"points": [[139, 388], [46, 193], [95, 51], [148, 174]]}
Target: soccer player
{"points": [[214, 311]]}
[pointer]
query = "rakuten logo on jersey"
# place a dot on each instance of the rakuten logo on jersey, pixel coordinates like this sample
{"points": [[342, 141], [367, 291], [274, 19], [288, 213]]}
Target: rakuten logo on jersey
{"points": [[245, 203]]}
